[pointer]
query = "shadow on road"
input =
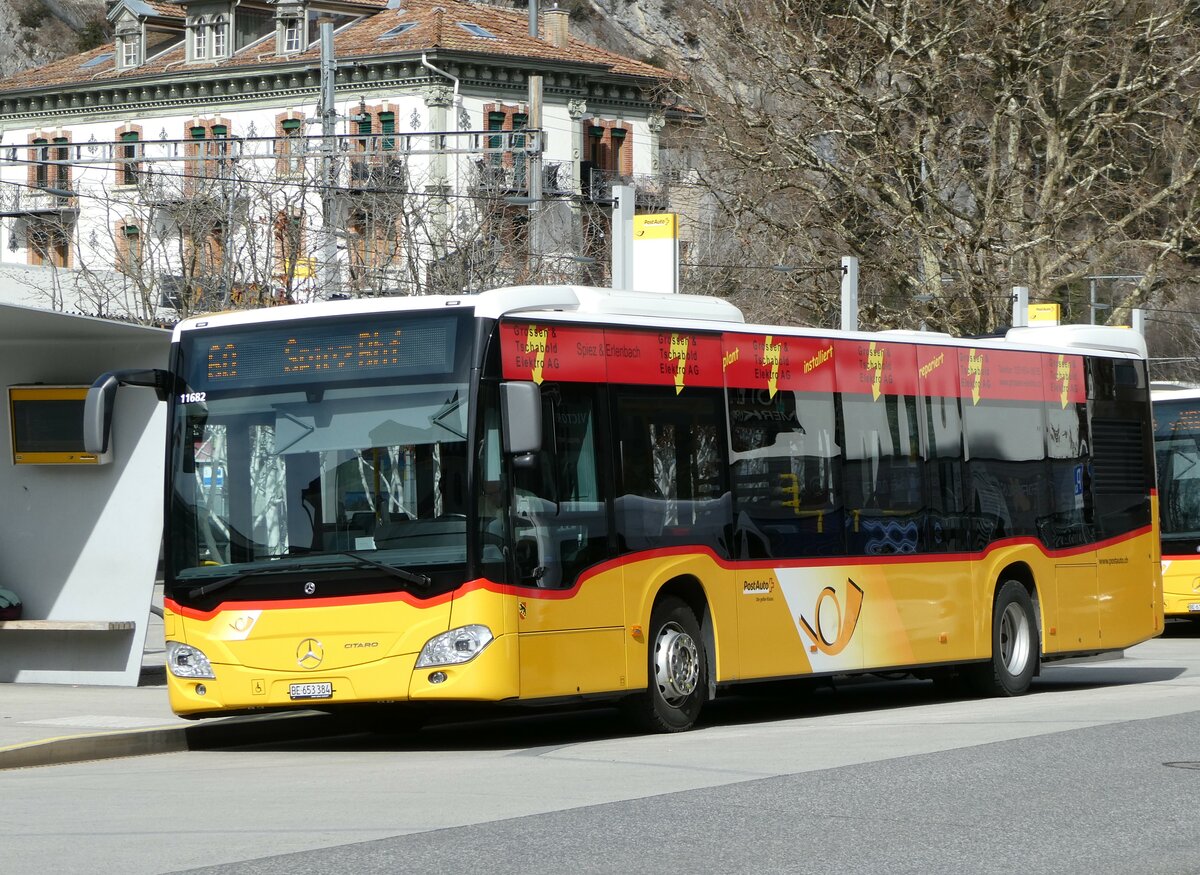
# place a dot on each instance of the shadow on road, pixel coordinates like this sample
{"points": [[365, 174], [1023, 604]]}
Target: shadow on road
{"points": [[1182, 629], [529, 731], [1056, 679]]}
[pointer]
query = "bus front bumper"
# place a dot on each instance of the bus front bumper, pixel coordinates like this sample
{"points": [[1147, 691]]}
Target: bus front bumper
{"points": [[491, 676]]}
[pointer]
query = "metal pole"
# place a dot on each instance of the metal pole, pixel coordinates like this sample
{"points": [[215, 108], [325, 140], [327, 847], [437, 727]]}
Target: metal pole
{"points": [[1139, 321], [534, 123], [622, 237], [329, 266], [1020, 299], [849, 293], [1092, 299]]}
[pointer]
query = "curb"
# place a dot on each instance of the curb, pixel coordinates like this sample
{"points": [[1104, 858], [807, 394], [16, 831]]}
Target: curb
{"points": [[99, 746], [231, 732]]}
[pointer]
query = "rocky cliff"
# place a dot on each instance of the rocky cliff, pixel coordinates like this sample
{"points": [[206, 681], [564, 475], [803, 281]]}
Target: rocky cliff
{"points": [[33, 32]]}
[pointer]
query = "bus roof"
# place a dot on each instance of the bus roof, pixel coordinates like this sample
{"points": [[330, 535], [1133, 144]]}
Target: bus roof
{"points": [[690, 312], [1168, 390]]}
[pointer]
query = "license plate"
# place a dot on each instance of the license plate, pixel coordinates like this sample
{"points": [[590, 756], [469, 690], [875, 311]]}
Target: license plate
{"points": [[1194, 606], [311, 691]]}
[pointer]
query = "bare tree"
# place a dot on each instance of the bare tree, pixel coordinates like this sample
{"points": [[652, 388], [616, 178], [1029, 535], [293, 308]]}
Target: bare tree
{"points": [[956, 148]]}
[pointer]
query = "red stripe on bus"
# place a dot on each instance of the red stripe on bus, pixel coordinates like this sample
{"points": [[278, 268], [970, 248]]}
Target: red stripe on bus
{"points": [[544, 352]]}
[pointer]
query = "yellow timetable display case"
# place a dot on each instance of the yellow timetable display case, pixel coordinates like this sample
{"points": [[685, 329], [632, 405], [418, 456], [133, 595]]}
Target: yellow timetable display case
{"points": [[46, 426]]}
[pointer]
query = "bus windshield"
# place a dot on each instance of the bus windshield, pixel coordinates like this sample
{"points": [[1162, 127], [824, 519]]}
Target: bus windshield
{"points": [[1177, 451], [332, 446]]}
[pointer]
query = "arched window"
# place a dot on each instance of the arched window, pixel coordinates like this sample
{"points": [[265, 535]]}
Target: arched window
{"points": [[130, 167], [129, 248], [220, 38], [199, 40]]}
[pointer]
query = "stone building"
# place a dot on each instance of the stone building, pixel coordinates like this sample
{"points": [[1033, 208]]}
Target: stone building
{"points": [[188, 165]]}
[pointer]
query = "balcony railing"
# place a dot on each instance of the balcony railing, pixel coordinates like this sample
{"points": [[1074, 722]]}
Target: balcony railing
{"points": [[650, 191], [18, 200], [491, 176], [378, 173]]}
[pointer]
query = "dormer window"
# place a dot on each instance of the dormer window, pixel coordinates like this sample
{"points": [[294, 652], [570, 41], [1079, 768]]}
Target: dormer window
{"points": [[293, 34], [298, 28], [143, 32], [220, 38], [200, 40], [131, 54], [129, 42]]}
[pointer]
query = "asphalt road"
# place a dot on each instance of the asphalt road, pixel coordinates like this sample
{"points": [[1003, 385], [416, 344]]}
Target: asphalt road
{"points": [[1098, 770]]}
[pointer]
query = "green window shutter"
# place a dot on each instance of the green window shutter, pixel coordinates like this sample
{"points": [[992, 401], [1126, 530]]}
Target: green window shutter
{"points": [[387, 127], [495, 122]]}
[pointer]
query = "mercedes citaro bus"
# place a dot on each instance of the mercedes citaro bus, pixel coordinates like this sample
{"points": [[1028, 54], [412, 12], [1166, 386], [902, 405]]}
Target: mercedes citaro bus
{"points": [[557, 494]]}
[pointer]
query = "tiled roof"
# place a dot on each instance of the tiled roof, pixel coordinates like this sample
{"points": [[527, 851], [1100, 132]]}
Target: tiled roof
{"points": [[156, 8], [437, 25], [165, 10]]}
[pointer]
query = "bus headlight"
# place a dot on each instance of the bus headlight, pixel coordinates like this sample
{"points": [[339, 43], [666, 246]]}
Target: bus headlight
{"points": [[454, 647], [185, 661]]}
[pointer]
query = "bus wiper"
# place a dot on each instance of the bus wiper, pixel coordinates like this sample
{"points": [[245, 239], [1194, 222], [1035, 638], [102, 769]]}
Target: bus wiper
{"points": [[421, 580], [222, 583]]}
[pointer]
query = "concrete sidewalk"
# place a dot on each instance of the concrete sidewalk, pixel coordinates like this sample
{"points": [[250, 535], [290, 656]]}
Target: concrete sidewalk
{"points": [[49, 724]]}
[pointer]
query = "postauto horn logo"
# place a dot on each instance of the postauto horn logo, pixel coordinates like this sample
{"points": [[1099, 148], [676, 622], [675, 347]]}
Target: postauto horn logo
{"points": [[833, 626]]}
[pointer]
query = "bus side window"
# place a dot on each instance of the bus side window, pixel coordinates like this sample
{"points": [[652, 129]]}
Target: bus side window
{"points": [[881, 475], [785, 468], [492, 516], [1071, 517], [560, 512], [944, 525], [673, 488], [1122, 445], [1007, 494]]}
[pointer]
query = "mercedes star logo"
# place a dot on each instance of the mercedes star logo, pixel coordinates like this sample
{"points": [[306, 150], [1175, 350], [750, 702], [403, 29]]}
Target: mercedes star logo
{"points": [[310, 588], [310, 653]]}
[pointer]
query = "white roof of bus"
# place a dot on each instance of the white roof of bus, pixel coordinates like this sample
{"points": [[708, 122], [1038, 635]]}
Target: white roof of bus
{"points": [[1171, 391], [656, 310]]}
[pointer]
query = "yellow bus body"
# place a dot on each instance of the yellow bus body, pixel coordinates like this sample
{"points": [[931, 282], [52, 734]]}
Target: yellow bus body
{"points": [[1181, 586], [766, 622]]}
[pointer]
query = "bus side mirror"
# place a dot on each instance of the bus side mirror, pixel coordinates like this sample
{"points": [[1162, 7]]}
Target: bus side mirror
{"points": [[97, 414], [98, 405], [521, 408]]}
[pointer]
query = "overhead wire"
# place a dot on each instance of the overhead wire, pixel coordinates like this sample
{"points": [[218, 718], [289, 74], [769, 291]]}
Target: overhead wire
{"points": [[315, 188]]}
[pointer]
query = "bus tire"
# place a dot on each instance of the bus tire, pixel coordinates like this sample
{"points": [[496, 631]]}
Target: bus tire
{"points": [[678, 671], [1014, 645]]}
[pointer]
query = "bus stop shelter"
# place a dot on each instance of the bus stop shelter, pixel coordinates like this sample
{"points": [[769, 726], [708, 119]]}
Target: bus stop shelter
{"points": [[79, 543]]}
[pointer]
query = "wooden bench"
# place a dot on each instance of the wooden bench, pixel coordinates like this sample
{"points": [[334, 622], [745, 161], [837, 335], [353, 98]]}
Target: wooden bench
{"points": [[67, 625]]}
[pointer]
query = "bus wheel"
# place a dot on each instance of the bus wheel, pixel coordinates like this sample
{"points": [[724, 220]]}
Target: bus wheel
{"points": [[1014, 645], [678, 670]]}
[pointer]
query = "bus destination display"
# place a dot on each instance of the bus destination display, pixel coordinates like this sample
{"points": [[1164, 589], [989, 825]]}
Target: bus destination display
{"points": [[320, 353]]}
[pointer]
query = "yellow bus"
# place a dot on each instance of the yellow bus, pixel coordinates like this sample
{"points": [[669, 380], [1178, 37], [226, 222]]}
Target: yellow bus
{"points": [[1177, 449], [564, 494]]}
